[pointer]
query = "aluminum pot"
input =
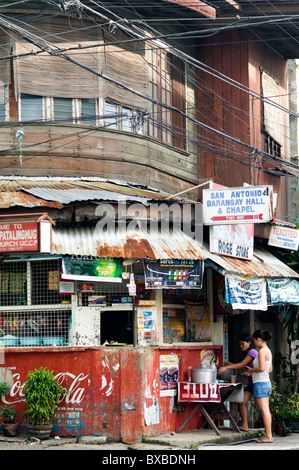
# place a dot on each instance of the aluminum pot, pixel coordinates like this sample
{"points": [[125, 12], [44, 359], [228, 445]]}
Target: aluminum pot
{"points": [[203, 375]]}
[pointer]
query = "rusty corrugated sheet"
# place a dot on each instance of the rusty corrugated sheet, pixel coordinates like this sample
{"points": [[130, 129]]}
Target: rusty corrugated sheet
{"points": [[177, 245], [56, 192], [264, 264], [122, 244], [18, 198]]}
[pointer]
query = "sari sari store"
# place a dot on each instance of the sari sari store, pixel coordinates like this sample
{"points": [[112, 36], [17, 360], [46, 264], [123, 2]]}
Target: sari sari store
{"points": [[119, 324], [120, 318]]}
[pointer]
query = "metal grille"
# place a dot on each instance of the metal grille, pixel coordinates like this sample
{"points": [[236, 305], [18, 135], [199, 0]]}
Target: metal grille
{"points": [[106, 294], [32, 312]]}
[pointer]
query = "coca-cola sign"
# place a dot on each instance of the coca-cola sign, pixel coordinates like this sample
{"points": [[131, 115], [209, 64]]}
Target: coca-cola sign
{"points": [[74, 388]]}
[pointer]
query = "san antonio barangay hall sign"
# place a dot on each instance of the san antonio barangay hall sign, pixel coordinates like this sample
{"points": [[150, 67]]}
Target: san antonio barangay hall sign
{"points": [[237, 205]]}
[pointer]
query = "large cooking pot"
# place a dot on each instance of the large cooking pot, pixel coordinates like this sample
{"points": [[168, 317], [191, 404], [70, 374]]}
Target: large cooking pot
{"points": [[203, 375]]}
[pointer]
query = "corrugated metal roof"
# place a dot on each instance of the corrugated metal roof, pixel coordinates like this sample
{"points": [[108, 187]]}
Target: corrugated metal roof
{"points": [[163, 245], [264, 264], [56, 192], [18, 198], [126, 244], [66, 196]]}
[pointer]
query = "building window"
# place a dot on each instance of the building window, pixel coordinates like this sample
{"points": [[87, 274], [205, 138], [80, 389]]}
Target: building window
{"points": [[123, 118], [271, 146], [116, 317], [3, 102], [63, 109], [167, 85], [89, 111], [32, 108], [32, 312]]}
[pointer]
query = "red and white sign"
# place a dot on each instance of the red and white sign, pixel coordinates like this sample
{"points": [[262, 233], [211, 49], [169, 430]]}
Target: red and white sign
{"points": [[201, 392], [19, 236], [284, 237], [237, 205], [234, 240]]}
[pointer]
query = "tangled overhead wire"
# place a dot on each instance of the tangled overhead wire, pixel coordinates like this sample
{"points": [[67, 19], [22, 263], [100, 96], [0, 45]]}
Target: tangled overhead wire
{"points": [[67, 6]]}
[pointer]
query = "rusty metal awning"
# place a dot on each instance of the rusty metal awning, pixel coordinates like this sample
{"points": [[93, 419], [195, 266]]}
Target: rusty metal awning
{"points": [[58, 192], [263, 264], [126, 244], [119, 243]]}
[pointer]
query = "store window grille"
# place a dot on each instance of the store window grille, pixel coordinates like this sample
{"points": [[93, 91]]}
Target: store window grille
{"points": [[105, 294], [116, 309], [32, 312]]}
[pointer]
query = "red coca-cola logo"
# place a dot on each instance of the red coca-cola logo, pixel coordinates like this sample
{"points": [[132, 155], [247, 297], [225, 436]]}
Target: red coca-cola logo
{"points": [[74, 388]]}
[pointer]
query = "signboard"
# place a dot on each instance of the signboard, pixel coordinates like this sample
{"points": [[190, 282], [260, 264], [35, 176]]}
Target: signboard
{"points": [[173, 273], [19, 236], [92, 269], [237, 205], [199, 392], [232, 240], [284, 237]]}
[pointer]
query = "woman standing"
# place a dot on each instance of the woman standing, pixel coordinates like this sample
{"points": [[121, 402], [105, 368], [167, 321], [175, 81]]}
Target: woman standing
{"points": [[246, 343], [262, 367]]}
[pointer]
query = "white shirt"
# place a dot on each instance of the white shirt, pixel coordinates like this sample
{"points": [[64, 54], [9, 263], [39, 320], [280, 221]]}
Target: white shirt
{"points": [[262, 376]]}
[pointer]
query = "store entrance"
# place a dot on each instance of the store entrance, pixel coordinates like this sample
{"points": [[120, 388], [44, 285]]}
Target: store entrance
{"points": [[117, 326]]}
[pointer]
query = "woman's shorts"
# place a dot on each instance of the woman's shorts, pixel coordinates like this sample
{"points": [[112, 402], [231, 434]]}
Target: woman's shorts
{"points": [[262, 389], [249, 388]]}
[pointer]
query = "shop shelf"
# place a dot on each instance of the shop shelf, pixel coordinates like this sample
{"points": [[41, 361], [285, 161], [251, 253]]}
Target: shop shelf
{"points": [[30, 341], [9, 342], [54, 341]]}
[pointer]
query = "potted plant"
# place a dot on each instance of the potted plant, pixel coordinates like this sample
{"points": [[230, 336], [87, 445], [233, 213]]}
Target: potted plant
{"points": [[42, 394], [4, 388], [9, 425], [278, 410], [292, 419]]}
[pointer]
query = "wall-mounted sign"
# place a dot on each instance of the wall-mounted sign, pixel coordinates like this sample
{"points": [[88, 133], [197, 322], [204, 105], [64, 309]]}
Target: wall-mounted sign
{"points": [[18, 236], [92, 269], [284, 237], [175, 273], [232, 240], [26, 233], [237, 205]]}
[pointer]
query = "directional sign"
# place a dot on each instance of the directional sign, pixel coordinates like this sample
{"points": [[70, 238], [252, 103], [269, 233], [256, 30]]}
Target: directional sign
{"points": [[245, 205]]}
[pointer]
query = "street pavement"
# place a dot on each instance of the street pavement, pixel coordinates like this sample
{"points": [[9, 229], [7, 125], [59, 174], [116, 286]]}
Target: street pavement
{"points": [[192, 443]]}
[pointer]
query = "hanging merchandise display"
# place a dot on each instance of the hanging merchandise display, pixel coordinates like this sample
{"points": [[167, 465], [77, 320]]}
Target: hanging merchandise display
{"points": [[283, 291], [246, 292]]}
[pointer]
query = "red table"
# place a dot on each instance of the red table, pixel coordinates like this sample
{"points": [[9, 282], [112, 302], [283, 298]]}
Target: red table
{"points": [[210, 399]]}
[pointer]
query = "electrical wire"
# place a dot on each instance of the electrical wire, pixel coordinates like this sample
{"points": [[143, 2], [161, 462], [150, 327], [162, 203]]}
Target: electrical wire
{"points": [[226, 136]]}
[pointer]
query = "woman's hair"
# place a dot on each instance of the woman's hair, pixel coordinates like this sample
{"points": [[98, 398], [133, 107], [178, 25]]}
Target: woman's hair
{"points": [[263, 334], [248, 339]]}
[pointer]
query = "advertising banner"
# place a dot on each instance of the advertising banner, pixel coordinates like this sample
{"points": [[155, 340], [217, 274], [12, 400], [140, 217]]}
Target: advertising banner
{"points": [[92, 269], [246, 293], [173, 273], [237, 205], [283, 291], [284, 237]]}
